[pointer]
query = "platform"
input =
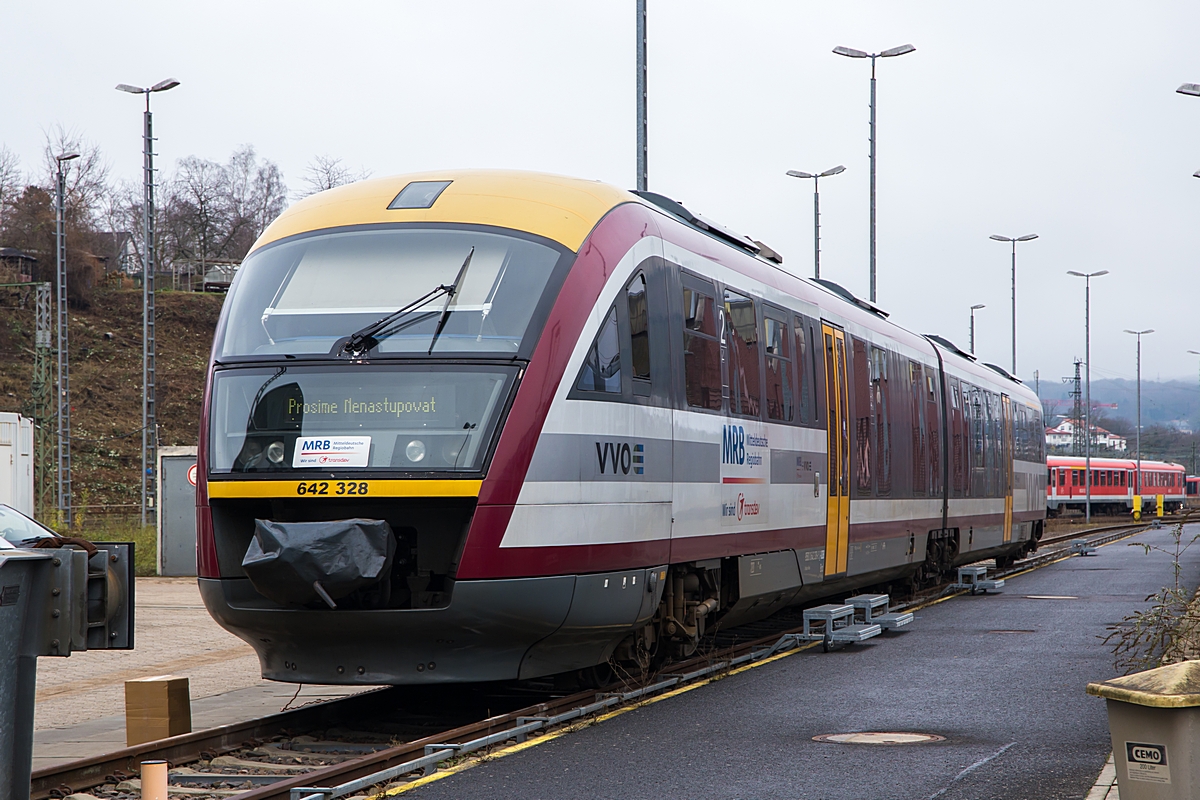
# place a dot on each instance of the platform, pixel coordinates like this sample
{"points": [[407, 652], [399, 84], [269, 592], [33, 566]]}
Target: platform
{"points": [[81, 700], [1000, 676]]}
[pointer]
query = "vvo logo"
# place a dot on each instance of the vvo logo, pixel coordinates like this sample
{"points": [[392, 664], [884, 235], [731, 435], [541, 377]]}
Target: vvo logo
{"points": [[1146, 753], [733, 444], [620, 458]]}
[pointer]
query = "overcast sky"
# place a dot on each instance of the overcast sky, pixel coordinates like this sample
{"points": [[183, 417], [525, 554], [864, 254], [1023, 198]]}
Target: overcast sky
{"points": [[1058, 118]]}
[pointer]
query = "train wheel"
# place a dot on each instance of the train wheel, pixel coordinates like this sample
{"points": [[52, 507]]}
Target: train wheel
{"points": [[600, 676]]}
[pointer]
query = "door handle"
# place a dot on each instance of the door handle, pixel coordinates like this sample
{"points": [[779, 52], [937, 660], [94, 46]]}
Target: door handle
{"points": [[816, 484]]}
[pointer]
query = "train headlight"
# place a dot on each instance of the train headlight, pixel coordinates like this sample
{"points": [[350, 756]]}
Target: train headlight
{"points": [[415, 450], [275, 452]]}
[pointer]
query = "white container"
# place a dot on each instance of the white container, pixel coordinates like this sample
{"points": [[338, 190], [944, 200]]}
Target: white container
{"points": [[16, 462]]}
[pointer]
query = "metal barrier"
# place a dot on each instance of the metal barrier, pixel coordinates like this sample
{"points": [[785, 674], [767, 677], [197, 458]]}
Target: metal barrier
{"points": [[53, 602]]}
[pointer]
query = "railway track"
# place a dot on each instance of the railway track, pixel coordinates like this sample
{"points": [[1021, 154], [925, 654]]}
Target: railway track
{"points": [[386, 736]]}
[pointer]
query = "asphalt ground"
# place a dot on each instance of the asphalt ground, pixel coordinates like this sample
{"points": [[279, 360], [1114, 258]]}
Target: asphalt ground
{"points": [[1001, 676]]}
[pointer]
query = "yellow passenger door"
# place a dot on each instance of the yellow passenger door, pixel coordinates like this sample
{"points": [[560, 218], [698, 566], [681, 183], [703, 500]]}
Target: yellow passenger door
{"points": [[837, 523]]}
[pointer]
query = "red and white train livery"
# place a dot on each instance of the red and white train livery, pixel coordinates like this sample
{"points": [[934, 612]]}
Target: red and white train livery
{"points": [[1114, 484], [589, 425]]}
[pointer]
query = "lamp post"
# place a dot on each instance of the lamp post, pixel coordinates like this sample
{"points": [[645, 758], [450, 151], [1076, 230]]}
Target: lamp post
{"points": [[1087, 357], [1139, 334], [1195, 352], [816, 178], [974, 308], [889, 53], [149, 411], [1026, 238], [65, 508], [642, 125]]}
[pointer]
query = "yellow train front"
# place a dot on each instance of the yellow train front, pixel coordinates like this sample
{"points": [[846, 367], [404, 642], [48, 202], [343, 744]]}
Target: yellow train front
{"points": [[481, 425]]}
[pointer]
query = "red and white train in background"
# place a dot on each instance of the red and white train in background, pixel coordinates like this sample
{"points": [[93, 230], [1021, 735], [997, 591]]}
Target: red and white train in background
{"points": [[1114, 485], [625, 425]]}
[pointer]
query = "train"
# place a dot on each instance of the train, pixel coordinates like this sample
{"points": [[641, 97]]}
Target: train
{"points": [[488, 425], [1115, 484]]}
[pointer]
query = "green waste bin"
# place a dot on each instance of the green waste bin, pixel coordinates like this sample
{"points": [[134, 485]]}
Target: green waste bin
{"points": [[1154, 720]]}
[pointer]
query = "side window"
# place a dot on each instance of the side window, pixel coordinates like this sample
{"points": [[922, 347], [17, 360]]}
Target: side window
{"points": [[957, 450], [744, 379], [602, 366], [701, 350], [805, 370], [933, 431], [975, 414], [639, 328], [916, 376], [863, 412], [781, 403], [883, 421]]}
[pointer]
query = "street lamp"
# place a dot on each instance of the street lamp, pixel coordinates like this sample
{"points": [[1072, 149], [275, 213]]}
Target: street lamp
{"points": [[1087, 357], [889, 53], [1026, 238], [64, 381], [1139, 334], [817, 210], [149, 411], [642, 126], [974, 308]]}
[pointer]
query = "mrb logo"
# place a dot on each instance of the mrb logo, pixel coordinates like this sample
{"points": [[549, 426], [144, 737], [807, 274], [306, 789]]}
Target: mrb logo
{"points": [[621, 458], [733, 444]]}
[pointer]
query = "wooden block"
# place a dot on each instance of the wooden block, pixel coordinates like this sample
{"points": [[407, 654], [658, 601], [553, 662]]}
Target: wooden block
{"points": [[156, 708]]}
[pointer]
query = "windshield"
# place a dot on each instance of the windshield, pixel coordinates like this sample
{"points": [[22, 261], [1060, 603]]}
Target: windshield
{"points": [[355, 417], [304, 295], [17, 528]]}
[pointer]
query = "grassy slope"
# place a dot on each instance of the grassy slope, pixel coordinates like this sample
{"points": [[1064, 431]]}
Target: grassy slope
{"points": [[106, 387]]}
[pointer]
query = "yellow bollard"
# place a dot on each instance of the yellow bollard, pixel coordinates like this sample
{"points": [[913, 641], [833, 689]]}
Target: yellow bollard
{"points": [[1158, 499], [154, 780], [1137, 508]]}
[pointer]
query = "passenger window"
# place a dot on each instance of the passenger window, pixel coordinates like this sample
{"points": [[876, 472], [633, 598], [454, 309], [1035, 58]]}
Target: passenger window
{"points": [[780, 400], [744, 380], [863, 412], [805, 372], [639, 328], [602, 366], [883, 425], [701, 351], [916, 379]]}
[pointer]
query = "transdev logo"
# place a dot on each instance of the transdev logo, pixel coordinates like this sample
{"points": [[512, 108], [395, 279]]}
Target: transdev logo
{"points": [[740, 509]]}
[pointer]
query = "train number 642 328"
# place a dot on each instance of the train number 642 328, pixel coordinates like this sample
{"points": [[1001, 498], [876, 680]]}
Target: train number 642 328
{"points": [[358, 488]]}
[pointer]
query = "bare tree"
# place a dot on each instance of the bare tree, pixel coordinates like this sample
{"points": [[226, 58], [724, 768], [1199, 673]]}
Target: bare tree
{"points": [[216, 212], [326, 172], [10, 181], [87, 176], [257, 195]]}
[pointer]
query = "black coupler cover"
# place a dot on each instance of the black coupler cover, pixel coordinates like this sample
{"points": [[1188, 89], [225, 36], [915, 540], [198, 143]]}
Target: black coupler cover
{"points": [[286, 559]]}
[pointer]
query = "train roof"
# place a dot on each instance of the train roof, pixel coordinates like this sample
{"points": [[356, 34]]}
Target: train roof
{"points": [[1111, 463], [564, 210]]}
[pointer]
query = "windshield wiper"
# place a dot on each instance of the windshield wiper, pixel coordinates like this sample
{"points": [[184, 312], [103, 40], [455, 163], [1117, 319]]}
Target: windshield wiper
{"points": [[449, 299], [364, 339]]}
